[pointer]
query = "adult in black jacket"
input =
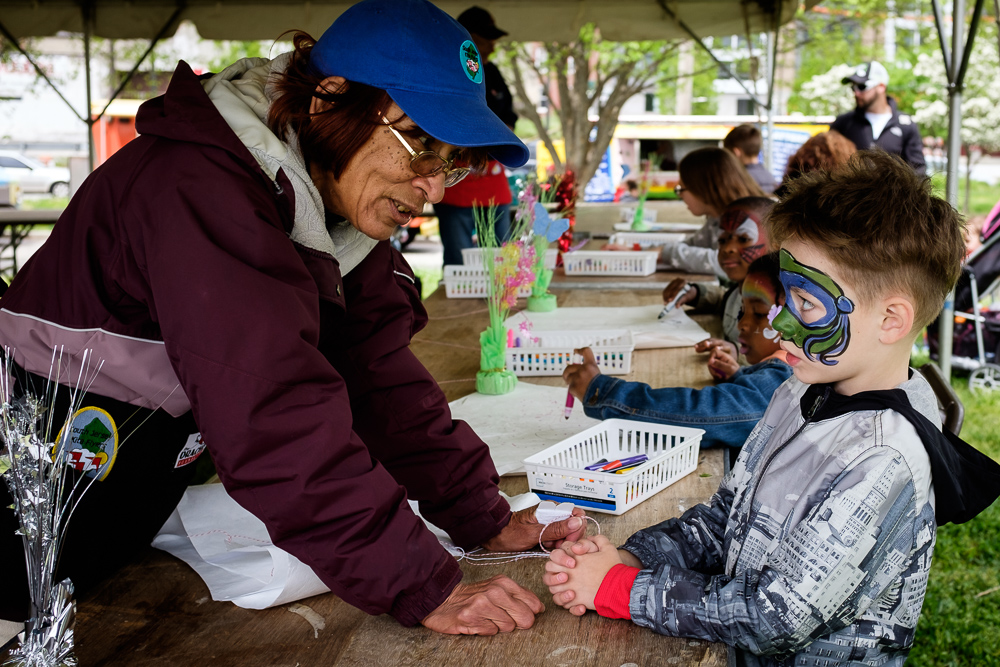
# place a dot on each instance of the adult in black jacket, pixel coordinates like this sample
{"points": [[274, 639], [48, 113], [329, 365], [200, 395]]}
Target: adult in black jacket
{"points": [[876, 119]]}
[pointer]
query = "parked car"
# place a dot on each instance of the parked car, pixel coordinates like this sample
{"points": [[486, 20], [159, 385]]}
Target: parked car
{"points": [[9, 191], [33, 176]]}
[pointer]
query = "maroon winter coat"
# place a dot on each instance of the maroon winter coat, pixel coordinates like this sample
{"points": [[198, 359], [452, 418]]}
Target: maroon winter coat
{"points": [[173, 264]]}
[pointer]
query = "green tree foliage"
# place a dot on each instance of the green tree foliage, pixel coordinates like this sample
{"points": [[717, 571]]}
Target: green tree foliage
{"points": [[703, 90], [826, 41], [594, 78]]}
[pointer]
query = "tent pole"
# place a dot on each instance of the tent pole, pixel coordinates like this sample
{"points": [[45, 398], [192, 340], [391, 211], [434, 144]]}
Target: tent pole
{"points": [[697, 40], [772, 58], [135, 68], [38, 70], [87, 10], [946, 330]]}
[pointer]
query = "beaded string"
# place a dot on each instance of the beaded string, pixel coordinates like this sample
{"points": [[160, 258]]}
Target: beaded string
{"points": [[482, 557]]}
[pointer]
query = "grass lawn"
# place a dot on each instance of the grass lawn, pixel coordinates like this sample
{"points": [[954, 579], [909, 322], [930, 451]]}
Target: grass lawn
{"points": [[960, 623], [982, 196]]}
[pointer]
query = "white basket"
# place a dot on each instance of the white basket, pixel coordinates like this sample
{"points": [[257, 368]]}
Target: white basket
{"points": [[610, 263], [558, 474], [474, 257], [551, 351], [471, 282], [645, 239], [628, 214]]}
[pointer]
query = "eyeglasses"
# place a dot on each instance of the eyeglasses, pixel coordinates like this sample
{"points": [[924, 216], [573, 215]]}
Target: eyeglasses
{"points": [[860, 87], [678, 189], [428, 163]]}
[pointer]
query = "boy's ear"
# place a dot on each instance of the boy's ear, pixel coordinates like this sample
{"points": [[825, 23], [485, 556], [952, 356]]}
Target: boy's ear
{"points": [[331, 84], [897, 320]]}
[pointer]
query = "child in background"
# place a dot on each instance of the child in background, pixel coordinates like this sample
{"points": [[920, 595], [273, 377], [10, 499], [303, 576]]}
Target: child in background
{"points": [[727, 411], [744, 141], [816, 548], [710, 179], [742, 239]]}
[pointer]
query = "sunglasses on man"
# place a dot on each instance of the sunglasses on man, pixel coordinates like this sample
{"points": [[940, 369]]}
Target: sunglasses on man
{"points": [[862, 87]]}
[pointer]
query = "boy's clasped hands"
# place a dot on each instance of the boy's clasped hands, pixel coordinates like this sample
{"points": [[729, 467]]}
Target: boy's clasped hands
{"points": [[575, 571]]}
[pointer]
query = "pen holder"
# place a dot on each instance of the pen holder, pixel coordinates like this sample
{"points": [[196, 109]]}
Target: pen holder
{"points": [[493, 378], [558, 473]]}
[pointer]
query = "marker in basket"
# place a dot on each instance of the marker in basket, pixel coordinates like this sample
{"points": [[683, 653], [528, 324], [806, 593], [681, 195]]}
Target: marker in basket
{"points": [[596, 466], [673, 302], [621, 463], [625, 469]]}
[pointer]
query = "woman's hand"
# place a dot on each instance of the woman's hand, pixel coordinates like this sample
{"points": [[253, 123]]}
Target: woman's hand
{"points": [[579, 376], [486, 607], [523, 531], [674, 288]]}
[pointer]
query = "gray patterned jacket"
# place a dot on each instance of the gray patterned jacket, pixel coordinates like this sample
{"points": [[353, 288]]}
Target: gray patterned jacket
{"points": [[815, 550]]}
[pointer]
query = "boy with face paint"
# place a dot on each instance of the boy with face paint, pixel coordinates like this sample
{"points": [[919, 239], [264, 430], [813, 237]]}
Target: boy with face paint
{"points": [[742, 239], [817, 547], [727, 411]]}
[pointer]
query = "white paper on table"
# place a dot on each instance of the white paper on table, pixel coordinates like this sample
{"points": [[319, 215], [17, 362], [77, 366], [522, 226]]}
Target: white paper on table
{"points": [[677, 329], [521, 423], [679, 227], [231, 551]]}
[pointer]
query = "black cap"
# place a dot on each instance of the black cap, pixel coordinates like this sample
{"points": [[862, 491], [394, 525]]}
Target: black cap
{"points": [[479, 22]]}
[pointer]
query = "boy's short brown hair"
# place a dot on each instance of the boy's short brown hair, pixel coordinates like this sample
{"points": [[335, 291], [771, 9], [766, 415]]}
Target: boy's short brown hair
{"points": [[878, 221], [745, 137]]}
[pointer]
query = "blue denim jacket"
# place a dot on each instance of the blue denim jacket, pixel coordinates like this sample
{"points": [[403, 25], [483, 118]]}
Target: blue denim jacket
{"points": [[727, 411]]}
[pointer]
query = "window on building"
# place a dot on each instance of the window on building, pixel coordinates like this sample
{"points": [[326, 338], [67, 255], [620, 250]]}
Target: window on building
{"points": [[650, 102], [745, 107]]}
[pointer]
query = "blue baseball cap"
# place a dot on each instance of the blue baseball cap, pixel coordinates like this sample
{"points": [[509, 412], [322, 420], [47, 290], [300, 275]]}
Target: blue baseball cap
{"points": [[427, 63]]}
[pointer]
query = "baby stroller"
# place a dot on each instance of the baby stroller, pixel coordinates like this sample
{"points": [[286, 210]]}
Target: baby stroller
{"points": [[976, 341]]}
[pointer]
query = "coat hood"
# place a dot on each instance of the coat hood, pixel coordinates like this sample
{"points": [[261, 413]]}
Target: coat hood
{"points": [[229, 110]]}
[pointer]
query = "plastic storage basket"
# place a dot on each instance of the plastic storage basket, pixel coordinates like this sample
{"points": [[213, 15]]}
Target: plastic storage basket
{"points": [[610, 263], [474, 257], [549, 352], [645, 239], [558, 474], [627, 214], [470, 282]]}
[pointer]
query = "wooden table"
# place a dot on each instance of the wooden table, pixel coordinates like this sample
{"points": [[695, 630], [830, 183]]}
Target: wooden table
{"points": [[15, 225], [158, 612]]}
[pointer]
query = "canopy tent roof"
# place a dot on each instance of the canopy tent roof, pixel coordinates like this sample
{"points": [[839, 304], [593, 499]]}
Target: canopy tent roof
{"points": [[525, 20]]}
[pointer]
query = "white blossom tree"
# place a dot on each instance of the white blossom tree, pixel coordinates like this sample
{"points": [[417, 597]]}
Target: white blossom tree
{"points": [[825, 94], [980, 100]]}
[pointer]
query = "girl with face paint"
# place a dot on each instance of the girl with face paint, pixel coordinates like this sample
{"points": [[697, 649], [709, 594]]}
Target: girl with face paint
{"points": [[742, 239]]}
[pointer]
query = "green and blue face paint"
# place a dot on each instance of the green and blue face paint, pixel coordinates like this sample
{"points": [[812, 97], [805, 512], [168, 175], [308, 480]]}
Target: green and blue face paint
{"points": [[825, 338]]}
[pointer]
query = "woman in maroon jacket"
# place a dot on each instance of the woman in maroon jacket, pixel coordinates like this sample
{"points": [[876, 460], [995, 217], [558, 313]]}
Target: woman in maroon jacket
{"points": [[231, 267]]}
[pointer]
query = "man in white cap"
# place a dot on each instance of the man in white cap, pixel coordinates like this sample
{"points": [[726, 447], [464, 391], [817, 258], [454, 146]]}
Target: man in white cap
{"points": [[876, 119]]}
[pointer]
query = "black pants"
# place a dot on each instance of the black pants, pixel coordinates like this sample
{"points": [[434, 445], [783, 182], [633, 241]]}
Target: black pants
{"points": [[120, 514]]}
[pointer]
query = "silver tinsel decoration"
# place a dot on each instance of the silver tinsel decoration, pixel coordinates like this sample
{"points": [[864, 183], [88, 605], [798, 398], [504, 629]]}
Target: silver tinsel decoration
{"points": [[34, 465]]}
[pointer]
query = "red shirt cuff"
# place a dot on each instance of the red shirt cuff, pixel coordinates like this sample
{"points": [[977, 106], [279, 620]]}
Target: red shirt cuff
{"points": [[612, 597]]}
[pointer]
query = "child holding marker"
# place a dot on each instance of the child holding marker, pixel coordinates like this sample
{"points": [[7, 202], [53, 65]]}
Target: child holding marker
{"points": [[727, 411], [742, 239], [817, 546]]}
